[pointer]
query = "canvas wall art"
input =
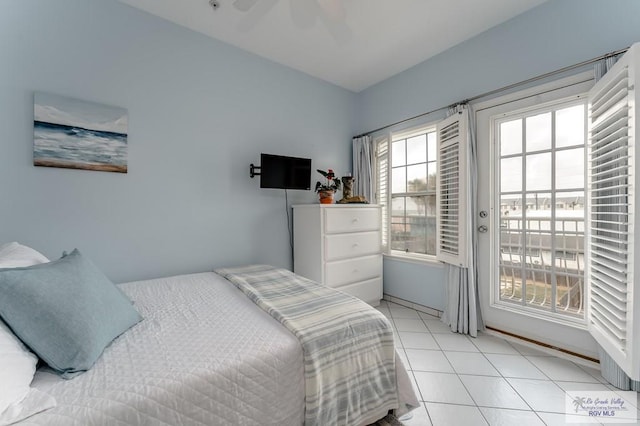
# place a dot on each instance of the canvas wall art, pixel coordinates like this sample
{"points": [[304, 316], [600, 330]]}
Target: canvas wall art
{"points": [[77, 134]]}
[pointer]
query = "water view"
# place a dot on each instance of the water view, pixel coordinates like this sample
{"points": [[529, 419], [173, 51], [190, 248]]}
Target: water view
{"points": [[76, 134]]}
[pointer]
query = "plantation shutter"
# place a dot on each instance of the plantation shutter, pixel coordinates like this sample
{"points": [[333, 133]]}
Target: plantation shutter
{"points": [[382, 192], [614, 305], [451, 190]]}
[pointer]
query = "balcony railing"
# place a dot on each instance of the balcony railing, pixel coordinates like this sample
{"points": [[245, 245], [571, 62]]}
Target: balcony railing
{"points": [[542, 263]]}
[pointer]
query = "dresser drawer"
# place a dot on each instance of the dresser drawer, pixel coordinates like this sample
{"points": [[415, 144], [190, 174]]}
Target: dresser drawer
{"points": [[369, 291], [343, 272], [342, 246], [352, 219]]}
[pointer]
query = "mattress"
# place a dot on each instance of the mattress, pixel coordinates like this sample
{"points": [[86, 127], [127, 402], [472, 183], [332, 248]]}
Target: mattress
{"points": [[204, 354]]}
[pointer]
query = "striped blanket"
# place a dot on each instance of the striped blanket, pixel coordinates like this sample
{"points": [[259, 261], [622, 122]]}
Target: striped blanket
{"points": [[348, 346]]}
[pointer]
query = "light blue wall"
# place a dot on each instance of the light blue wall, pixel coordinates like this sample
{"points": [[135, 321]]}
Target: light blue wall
{"points": [[414, 282], [556, 34], [200, 112], [549, 37]]}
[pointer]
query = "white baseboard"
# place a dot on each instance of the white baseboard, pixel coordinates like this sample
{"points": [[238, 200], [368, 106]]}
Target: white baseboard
{"points": [[418, 307]]}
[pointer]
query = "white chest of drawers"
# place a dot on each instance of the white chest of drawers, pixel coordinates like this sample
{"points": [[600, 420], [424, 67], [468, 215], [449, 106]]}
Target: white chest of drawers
{"points": [[339, 246]]}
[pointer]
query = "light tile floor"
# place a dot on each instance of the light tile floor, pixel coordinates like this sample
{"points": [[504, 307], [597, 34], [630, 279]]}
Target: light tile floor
{"points": [[485, 380]]}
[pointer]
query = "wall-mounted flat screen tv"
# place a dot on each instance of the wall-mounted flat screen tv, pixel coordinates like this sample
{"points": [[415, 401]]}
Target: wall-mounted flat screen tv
{"points": [[278, 171]]}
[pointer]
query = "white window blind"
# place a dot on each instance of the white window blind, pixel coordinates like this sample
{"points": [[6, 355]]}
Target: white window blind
{"points": [[614, 306], [382, 192], [451, 190]]}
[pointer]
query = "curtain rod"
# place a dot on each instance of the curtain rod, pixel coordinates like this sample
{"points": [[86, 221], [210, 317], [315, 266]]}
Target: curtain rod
{"points": [[508, 87]]}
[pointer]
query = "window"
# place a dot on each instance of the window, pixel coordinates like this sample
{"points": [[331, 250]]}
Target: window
{"points": [[407, 179], [541, 185]]}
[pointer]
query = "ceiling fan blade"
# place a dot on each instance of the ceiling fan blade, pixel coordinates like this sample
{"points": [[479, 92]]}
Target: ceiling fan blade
{"points": [[333, 9], [255, 14], [303, 12], [244, 5], [338, 29]]}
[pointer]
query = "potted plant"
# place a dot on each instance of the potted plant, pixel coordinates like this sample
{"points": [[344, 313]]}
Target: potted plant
{"points": [[327, 189]]}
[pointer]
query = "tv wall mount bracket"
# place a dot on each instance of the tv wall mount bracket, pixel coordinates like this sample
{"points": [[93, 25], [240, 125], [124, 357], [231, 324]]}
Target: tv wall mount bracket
{"points": [[252, 171]]}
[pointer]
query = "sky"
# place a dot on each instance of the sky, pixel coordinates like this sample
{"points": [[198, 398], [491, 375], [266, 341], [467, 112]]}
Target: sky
{"points": [[56, 109], [569, 163]]}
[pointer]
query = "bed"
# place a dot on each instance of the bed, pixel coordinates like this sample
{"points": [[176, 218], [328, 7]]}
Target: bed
{"points": [[204, 354]]}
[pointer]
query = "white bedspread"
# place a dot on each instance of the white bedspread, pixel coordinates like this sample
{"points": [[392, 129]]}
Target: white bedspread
{"points": [[234, 366]]}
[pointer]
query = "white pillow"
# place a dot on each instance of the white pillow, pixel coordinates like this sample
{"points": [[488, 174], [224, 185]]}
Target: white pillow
{"points": [[17, 367], [17, 364], [15, 255]]}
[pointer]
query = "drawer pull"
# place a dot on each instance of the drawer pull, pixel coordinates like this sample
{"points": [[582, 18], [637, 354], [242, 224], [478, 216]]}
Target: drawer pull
{"points": [[355, 245], [355, 271], [354, 220]]}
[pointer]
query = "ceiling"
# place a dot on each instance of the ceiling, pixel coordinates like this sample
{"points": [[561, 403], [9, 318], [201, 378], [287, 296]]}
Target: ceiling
{"points": [[367, 42]]}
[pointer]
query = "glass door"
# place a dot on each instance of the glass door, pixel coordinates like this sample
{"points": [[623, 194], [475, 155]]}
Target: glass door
{"points": [[541, 194], [531, 169]]}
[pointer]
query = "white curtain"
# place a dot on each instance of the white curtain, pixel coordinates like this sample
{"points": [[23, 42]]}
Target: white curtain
{"points": [[608, 367], [462, 308], [363, 167]]}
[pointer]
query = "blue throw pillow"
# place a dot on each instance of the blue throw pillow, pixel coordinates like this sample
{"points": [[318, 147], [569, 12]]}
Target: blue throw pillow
{"points": [[66, 311]]}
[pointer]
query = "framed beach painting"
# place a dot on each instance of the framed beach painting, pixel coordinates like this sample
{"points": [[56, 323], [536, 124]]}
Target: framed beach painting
{"points": [[75, 134]]}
